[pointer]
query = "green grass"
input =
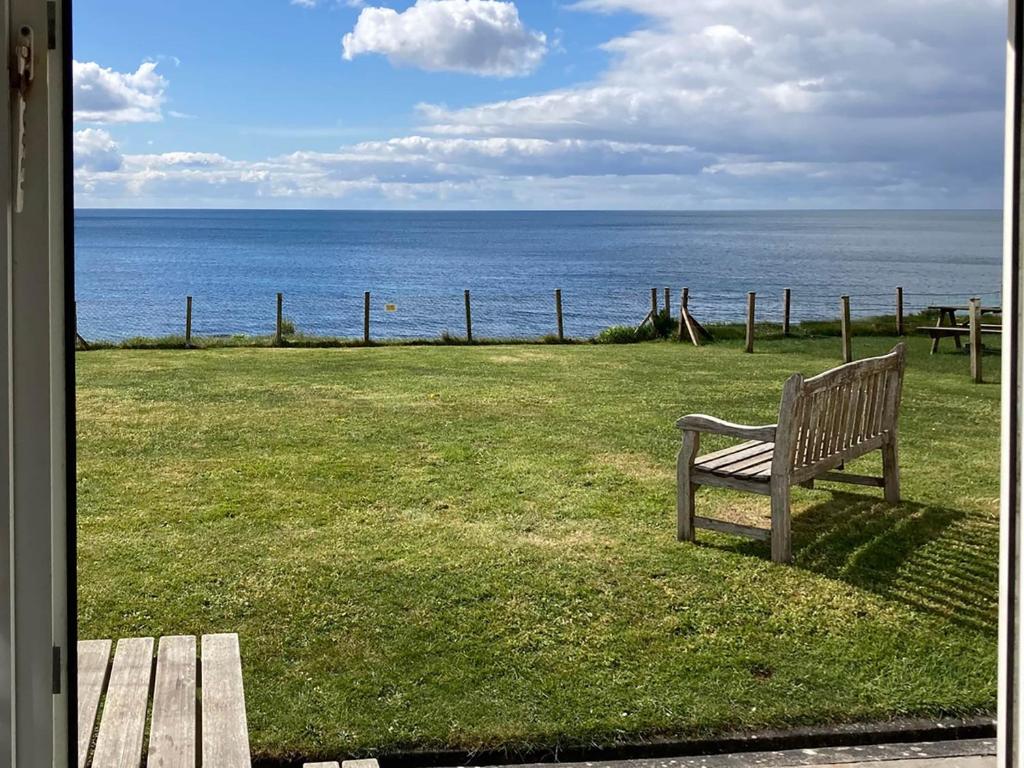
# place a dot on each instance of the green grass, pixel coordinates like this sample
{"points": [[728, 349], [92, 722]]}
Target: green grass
{"points": [[467, 547]]}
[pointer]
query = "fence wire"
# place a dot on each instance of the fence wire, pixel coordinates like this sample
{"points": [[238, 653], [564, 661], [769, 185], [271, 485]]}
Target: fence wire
{"points": [[405, 314]]}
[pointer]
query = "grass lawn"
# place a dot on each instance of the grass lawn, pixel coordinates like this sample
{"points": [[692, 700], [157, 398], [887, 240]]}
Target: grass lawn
{"points": [[459, 547]]}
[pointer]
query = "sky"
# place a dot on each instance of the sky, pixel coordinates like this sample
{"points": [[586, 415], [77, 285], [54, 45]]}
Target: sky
{"points": [[539, 104]]}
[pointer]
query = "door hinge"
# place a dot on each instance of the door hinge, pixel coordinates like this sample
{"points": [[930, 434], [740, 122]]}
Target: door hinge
{"points": [[57, 669]]}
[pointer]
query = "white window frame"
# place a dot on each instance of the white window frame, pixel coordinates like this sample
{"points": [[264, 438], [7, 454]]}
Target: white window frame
{"points": [[37, 701]]}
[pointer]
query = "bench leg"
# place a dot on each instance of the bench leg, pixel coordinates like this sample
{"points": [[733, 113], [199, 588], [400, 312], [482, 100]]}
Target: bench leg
{"points": [[891, 471], [782, 547], [685, 489]]}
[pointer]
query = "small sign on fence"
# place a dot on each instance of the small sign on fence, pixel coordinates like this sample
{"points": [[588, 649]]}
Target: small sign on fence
{"points": [[390, 307]]}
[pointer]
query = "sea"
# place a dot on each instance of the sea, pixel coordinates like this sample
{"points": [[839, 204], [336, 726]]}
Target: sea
{"points": [[135, 268]]}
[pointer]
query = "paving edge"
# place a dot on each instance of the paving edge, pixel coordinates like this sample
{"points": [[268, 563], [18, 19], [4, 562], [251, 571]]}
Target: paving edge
{"points": [[901, 731]]}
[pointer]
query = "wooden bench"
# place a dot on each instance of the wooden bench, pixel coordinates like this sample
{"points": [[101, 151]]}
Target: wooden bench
{"points": [[185, 731], [823, 422], [944, 332]]}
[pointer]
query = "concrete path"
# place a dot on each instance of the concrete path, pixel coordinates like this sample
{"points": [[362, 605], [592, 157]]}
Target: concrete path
{"points": [[977, 753]]}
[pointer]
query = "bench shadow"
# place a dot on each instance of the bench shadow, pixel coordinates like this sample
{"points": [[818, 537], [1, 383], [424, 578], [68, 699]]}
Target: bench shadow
{"points": [[937, 560]]}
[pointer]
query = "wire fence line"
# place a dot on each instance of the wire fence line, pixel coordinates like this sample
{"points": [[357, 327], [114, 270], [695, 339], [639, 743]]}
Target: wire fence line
{"points": [[399, 314]]}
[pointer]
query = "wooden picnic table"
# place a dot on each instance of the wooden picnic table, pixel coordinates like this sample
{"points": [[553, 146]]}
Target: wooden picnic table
{"points": [[947, 321]]}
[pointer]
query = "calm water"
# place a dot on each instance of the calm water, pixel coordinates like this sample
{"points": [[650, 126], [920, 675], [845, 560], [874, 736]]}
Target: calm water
{"points": [[134, 268]]}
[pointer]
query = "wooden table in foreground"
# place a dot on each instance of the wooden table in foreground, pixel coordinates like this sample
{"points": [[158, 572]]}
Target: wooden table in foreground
{"points": [[185, 730], [947, 324]]}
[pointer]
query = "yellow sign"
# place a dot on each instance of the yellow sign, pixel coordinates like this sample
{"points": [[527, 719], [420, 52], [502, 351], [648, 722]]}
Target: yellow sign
{"points": [[391, 307]]}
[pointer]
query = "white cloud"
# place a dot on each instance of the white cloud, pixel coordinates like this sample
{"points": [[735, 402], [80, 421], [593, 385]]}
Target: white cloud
{"points": [[707, 104], [912, 83], [430, 172], [103, 95], [96, 151], [481, 37]]}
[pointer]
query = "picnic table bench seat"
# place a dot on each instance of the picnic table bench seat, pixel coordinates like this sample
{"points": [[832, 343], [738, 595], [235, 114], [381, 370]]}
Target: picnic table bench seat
{"points": [[185, 729], [823, 422]]}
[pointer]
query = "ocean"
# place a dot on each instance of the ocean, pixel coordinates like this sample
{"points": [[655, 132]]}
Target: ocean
{"points": [[135, 268]]}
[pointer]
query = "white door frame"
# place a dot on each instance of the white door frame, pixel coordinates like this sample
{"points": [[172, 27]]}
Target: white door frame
{"points": [[1010, 583], [37, 614], [37, 700]]}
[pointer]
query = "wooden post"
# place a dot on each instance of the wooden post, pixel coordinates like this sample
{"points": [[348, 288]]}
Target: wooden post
{"points": [[975, 309], [847, 343], [188, 321], [692, 327], [899, 311], [469, 320], [751, 306], [279, 337], [366, 317], [654, 304], [558, 312], [668, 300], [684, 299], [787, 295]]}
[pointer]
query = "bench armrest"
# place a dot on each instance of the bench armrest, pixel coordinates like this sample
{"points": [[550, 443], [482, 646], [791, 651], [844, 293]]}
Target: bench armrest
{"points": [[701, 423]]}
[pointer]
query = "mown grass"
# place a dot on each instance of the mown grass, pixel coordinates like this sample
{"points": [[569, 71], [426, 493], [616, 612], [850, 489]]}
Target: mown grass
{"points": [[470, 547]]}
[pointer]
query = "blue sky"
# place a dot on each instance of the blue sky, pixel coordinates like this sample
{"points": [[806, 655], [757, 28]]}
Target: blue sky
{"points": [[469, 104]]}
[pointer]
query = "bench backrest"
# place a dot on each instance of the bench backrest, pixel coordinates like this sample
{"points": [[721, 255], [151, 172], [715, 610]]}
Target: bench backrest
{"points": [[838, 415]]}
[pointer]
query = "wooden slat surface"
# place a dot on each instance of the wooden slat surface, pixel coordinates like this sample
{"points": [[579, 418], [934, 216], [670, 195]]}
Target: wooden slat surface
{"points": [[727, 456], [225, 734], [172, 735], [93, 663], [322, 765], [119, 743], [748, 467]]}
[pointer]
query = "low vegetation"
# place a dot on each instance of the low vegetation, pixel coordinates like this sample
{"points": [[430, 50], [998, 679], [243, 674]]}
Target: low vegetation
{"points": [[665, 328], [471, 547]]}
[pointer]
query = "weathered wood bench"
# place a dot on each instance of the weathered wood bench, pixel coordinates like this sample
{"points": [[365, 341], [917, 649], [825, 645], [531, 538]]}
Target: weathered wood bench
{"points": [[823, 422], [181, 734]]}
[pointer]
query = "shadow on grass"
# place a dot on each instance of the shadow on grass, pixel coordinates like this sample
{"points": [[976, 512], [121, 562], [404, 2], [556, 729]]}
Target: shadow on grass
{"points": [[937, 560]]}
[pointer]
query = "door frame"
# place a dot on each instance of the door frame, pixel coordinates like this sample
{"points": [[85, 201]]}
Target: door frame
{"points": [[38, 707]]}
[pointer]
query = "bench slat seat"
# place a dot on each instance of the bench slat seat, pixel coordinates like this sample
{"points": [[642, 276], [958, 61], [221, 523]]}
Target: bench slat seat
{"points": [[736, 459], [945, 330], [823, 422]]}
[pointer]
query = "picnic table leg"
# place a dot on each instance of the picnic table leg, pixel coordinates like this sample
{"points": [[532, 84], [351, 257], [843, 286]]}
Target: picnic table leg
{"points": [[956, 339], [935, 340]]}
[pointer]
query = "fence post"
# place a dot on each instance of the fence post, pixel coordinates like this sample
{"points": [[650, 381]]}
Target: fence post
{"points": [[279, 336], [683, 301], [899, 311], [558, 312], [469, 320], [366, 317], [786, 299], [847, 342], [975, 309], [654, 304], [668, 301], [751, 306], [188, 321]]}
